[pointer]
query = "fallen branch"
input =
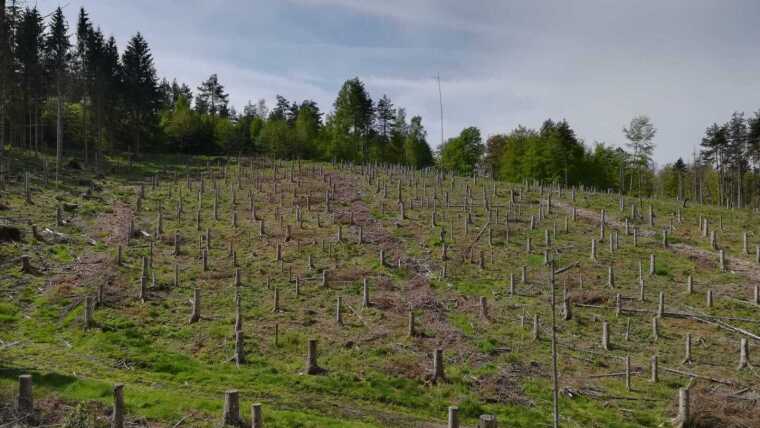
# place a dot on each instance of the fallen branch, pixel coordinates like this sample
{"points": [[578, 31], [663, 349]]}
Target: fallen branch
{"points": [[179, 422], [10, 344], [694, 375], [477, 238], [567, 268]]}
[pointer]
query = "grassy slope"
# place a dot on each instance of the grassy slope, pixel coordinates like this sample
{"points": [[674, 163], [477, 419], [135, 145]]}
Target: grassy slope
{"points": [[376, 375]]}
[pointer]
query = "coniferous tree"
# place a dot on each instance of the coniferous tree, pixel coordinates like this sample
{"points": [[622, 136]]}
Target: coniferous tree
{"points": [[211, 98], [736, 153], [29, 50], [306, 128], [141, 96], [109, 86], [417, 153], [753, 137], [384, 117], [714, 148], [640, 134], [6, 72], [399, 128], [353, 116], [57, 61], [83, 70]]}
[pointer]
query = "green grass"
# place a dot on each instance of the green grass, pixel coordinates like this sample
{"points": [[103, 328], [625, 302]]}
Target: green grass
{"points": [[376, 375]]}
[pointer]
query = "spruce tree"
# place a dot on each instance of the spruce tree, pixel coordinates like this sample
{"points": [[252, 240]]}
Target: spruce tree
{"points": [[57, 58], [354, 116], [141, 97], [83, 70], [29, 50]]}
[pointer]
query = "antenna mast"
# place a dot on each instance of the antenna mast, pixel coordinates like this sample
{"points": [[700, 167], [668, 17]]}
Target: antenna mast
{"points": [[440, 101]]}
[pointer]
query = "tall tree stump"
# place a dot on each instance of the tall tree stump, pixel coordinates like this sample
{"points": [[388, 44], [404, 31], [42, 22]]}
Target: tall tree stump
{"points": [[231, 415], [438, 369], [25, 400], [312, 368], [256, 417], [117, 417], [453, 417]]}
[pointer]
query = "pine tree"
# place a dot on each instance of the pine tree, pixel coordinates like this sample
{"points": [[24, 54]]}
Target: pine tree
{"points": [[6, 73], [417, 153], [57, 58], [399, 129], [640, 134], [736, 151], [307, 126], [29, 49], [714, 148], [110, 92], [141, 95], [83, 70], [211, 98], [96, 82], [753, 137], [384, 117], [354, 114]]}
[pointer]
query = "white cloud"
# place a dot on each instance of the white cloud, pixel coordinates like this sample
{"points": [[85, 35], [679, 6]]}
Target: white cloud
{"points": [[686, 63]]}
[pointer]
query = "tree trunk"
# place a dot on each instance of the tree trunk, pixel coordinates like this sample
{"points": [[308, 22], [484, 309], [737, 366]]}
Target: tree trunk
{"points": [[3, 81], [58, 133]]}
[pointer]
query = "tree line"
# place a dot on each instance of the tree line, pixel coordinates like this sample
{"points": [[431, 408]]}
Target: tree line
{"points": [[555, 154], [725, 171], [72, 90]]}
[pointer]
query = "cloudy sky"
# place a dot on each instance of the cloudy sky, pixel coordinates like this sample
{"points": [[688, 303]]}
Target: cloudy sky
{"points": [[596, 63]]}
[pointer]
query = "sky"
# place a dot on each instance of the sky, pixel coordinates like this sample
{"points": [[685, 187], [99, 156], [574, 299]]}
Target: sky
{"points": [[595, 63]]}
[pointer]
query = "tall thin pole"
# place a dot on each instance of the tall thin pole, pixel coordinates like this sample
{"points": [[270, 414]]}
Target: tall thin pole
{"points": [[555, 380], [4, 59], [440, 101]]}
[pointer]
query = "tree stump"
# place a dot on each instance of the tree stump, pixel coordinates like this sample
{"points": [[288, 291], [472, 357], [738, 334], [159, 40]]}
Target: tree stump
{"points": [[487, 421], [231, 415], [256, 418], [743, 354], [26, 265], [453, 417], [365, 294], [312, 368], [195, 315], [687, 350], [239, 348], [88, 322], [683, 419], [411, 331], [338, 310], [25, 399], [438, 369], [117, 417]]}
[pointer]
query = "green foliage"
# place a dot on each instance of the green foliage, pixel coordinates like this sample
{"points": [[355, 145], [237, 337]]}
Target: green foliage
{"points": [[553, 155], [8, 313], [461, 154]]}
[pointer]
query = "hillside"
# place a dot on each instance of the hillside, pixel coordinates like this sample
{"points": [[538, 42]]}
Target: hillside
{"points": [[382, 267]]}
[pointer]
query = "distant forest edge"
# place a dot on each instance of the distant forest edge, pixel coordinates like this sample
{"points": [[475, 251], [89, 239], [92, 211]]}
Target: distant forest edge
{"points": [[70, 91]]}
